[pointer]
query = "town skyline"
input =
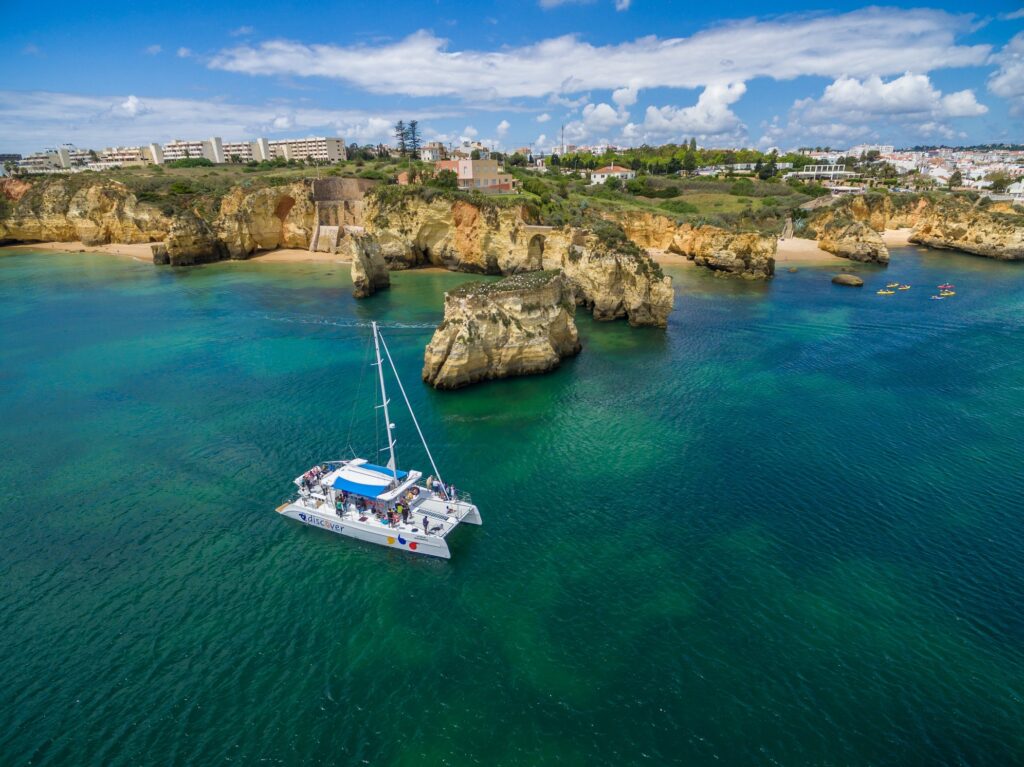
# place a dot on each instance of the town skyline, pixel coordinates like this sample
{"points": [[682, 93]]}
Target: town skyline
{"points": [[622, 73]]}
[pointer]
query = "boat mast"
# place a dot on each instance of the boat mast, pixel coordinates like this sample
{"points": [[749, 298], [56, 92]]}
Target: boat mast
{"points": [[384, 399], [415, 422]]}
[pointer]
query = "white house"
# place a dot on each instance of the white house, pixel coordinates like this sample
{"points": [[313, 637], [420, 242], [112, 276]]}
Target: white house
{"points": [[1016, 190], [601, 175]]}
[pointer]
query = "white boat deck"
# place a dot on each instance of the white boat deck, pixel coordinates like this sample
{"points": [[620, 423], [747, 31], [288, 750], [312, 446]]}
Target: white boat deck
{"points": [[442, 515]]}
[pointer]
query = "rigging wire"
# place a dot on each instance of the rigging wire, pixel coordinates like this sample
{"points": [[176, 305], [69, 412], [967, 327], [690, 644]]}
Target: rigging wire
{"points": [[416, 423]]}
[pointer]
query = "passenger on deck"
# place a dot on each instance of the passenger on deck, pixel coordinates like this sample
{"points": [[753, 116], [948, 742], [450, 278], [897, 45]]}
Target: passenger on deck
{"points": [[426, 524], [405, 514]]}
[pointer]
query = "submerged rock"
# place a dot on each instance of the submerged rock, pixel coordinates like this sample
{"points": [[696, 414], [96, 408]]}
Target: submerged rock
{"points": [[520, 325], [848, 279], [369, 270]]}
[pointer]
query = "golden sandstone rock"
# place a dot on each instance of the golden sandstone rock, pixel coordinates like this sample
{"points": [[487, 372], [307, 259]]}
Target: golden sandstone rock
{"points": [[520, 325]]}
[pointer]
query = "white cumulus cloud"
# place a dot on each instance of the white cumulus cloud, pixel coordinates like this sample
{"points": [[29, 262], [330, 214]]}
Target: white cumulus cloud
{"points": [[1008, 80], [861, 43], [503, 127], [710, 117], [543, 118]]}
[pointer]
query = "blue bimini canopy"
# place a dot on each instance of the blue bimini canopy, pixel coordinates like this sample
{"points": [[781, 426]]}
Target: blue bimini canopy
{"points": [[366, 480]]}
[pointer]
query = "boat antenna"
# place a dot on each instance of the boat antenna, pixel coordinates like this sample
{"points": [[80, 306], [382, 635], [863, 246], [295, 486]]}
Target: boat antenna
{"points": [[384, 403], [415, 422]]}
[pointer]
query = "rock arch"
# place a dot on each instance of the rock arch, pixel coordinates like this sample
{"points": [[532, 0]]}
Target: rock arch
{"points": [[284, 207], [535, 253]]}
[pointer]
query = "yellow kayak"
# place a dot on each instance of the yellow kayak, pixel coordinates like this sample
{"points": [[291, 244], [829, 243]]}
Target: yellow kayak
{"points": [[893, 285], [947, 293], [886, 292]]}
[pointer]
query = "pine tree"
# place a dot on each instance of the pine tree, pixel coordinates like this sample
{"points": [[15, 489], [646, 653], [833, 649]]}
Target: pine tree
{"points": [[401, 134], [412, 139], [693, 144]]}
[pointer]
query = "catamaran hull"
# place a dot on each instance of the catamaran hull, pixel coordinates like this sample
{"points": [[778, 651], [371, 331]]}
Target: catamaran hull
{"points": [[431, 546]]}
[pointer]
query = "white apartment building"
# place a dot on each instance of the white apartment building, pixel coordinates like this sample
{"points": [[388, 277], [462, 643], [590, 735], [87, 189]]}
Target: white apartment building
{"points": [[862, 149], [124, 155], [245, 151], [212, 149], [58, 160], [318, 149]]}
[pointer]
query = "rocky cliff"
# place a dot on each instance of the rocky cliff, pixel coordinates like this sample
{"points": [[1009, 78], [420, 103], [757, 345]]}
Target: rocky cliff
{"points": [[264, 219], [611, 275], [957, 224], [750, 255], [938, 220], [852, 239], [517, 326], [190, 240], [97, 213], [369, 269], [435, 229], [613, 279]]}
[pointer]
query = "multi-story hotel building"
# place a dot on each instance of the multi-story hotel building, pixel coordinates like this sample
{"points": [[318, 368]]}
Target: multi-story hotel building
{"points": [[318, 149]]}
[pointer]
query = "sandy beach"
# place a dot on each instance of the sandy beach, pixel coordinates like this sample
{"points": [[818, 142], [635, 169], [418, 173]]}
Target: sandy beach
{"points": [[896, 238], [792, 251], [134, 250], [795, 250], [668, 259], [296, 256]]}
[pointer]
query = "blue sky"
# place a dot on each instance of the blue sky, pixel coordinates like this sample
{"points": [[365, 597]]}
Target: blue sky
{"points": [[512, 73]]}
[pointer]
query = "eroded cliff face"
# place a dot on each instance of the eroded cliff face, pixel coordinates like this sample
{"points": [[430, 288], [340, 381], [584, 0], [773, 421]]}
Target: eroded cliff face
{"points": [[264, 219], [612, 283], [97, 214], [190, 240], [369, 269], [854, 240], [959, 225], [462, 236], [940, 221], [456, 235], [750, 255], [520, 325]]}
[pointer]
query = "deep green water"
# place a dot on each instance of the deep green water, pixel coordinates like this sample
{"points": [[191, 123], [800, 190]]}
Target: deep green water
{"points": [[786, 531]]}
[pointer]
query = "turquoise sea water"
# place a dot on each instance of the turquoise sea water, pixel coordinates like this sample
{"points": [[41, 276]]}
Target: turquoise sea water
{"points": [[786, 531]]}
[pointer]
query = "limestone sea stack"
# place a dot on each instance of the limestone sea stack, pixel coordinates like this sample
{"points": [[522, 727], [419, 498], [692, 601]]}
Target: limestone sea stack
{"points": [[520, 325], [613, 278], [369, 269]]}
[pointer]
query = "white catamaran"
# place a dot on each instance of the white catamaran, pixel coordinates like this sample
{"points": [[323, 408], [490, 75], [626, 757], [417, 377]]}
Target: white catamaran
{"points": [[382, 504]]}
